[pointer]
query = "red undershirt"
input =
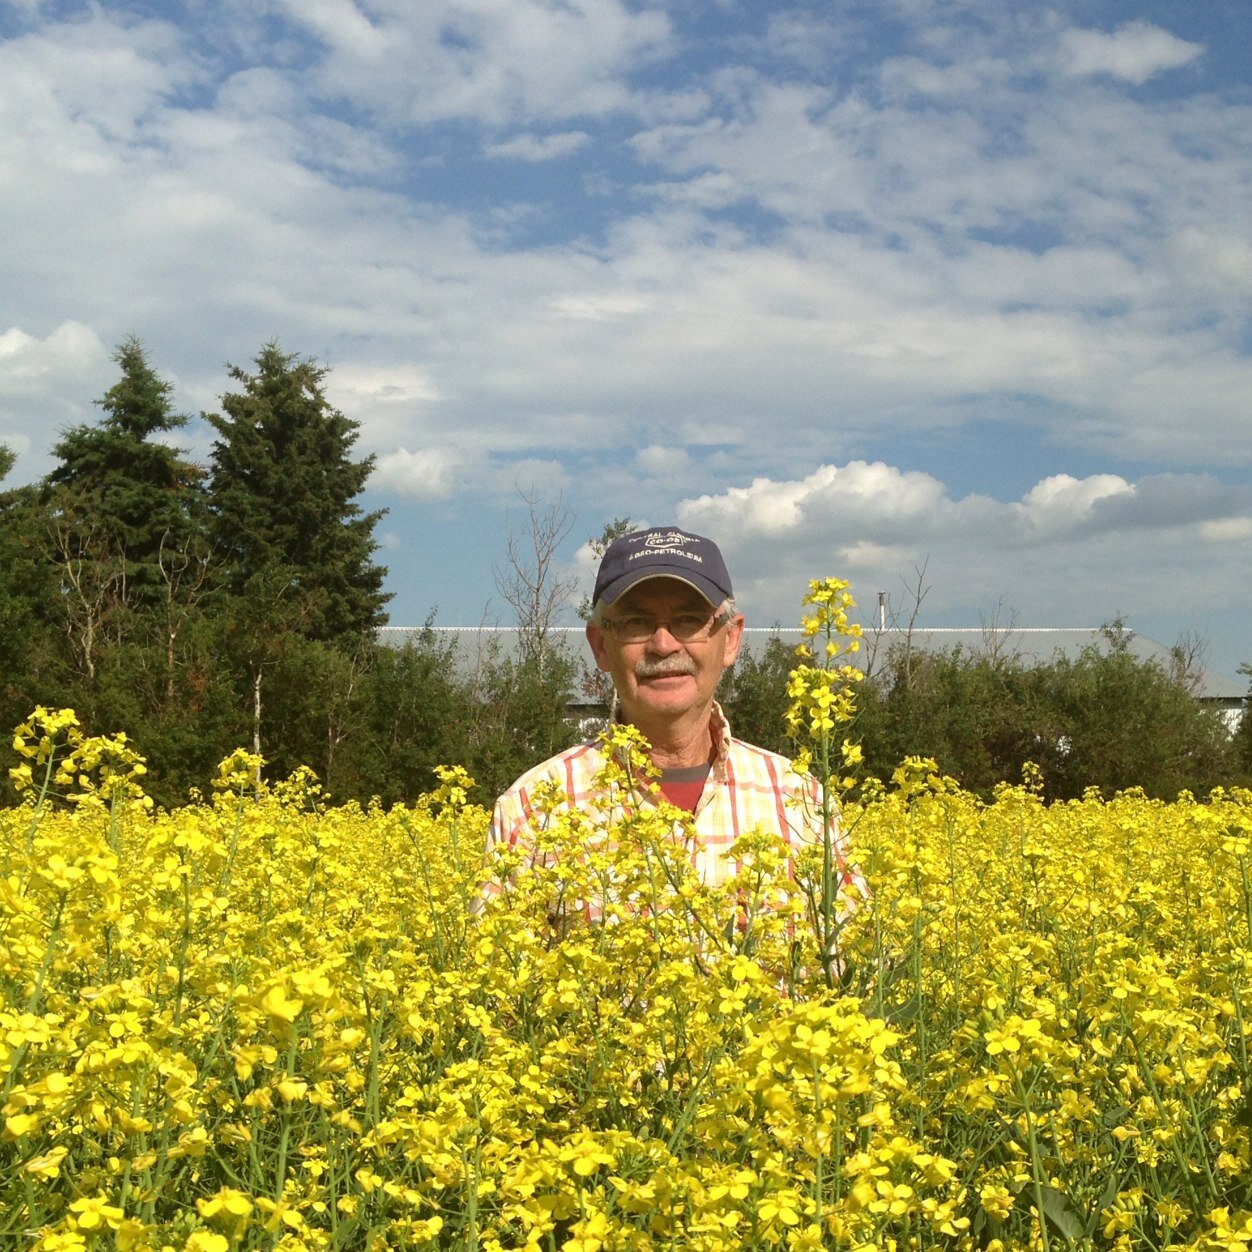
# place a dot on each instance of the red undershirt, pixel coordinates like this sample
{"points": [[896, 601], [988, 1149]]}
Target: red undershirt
{"points": [[683, 787]]}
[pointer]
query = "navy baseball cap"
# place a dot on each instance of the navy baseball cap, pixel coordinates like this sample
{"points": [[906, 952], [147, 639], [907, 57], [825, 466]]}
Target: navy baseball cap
{"points": [[662, 552]]}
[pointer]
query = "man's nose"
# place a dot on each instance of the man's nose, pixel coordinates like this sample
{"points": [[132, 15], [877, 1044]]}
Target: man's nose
{"points": [[662, 642]]}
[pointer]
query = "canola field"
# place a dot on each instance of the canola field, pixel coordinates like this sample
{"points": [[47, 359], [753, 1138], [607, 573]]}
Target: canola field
{"points": [[263, 1021]]}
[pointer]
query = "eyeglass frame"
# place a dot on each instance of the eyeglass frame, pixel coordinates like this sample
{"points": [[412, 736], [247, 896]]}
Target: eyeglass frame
{"points": [[702, 634]]}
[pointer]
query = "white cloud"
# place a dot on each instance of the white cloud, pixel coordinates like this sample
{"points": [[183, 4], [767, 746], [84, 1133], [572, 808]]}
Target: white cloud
{"points": [[1061, 555], [1135, 52], [1227, 530], [490, 60], [679, 321], [876, 495], [911, 75], [427, 474], [28, 362], [540, 147], [666, 461], [1062, 501], [38, 380], [391, 402], [342, 26]]}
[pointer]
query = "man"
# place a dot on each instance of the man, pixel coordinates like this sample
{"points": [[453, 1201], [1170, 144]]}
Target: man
{"points": [[665, 626]]}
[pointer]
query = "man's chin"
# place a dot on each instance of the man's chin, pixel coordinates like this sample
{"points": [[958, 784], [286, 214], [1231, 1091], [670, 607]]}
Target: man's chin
{"points": [[673, 693]]}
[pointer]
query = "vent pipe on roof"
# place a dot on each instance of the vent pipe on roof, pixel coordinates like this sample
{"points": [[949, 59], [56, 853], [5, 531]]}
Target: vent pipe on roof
{"points": [[882, 610]]}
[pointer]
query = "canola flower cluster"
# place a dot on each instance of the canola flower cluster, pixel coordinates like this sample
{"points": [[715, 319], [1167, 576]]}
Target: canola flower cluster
{"points": [[263, 1021]]}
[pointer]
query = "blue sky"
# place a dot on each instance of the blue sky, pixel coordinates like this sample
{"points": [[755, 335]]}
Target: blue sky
{"points": [[858, 289]]}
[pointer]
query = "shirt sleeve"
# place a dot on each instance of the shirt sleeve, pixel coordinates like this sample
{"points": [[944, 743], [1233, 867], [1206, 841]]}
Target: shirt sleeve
{"points": [[507, 819]]}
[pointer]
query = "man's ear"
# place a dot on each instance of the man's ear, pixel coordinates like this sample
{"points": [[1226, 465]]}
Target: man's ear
{"points": [[595, 637], [734, 637]]}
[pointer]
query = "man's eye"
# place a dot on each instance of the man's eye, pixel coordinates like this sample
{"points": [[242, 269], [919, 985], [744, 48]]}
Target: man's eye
{"points": [[636, 625], [689, 623]]}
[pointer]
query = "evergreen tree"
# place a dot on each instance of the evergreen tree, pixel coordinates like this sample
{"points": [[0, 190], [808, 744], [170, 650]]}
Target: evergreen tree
{"points": [[283, 487], [296, 549], [121, 499], [28, 644]]}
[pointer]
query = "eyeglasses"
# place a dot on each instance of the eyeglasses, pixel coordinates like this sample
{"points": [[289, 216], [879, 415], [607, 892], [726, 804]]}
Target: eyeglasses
{"points": [[685, 627]]}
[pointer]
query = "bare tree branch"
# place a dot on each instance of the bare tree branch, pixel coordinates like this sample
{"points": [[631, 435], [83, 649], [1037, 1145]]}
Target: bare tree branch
{"points": [[532, 583]]}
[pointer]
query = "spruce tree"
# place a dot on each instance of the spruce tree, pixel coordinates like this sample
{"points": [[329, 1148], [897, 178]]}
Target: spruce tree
{"points": [[121, 495], [283, 488], [295, 548], [28, 640]]}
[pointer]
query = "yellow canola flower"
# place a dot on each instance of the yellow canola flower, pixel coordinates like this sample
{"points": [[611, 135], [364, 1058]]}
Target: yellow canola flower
{"points": [[227, 1205], [586, 1154], [267, 989], [280, 1006], [47, 1164], [20, 1124], [206, 1241], [95, 1213]]}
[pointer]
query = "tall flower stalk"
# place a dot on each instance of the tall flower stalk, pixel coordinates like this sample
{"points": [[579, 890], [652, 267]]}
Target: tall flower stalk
{"points": [[822, 704]]}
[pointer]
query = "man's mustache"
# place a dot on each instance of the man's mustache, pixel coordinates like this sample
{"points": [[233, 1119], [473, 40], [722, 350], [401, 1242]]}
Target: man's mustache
{"points": [[664, 667]]}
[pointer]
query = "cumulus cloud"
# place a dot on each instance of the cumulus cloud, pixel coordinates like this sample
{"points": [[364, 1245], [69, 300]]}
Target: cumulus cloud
{"points": [[427, 474], [391, 402], [539, 147], [38, 378], [879, 493], [492, 61], [1065, 542], [880, 500], [1136, 52], [698, 253], [1061, 502]]}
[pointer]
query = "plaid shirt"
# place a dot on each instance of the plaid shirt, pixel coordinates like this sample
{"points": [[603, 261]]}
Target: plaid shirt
{"points": [[747, 788]]}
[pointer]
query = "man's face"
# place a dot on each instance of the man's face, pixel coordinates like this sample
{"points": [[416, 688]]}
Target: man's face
{"points": [[661, 679]]}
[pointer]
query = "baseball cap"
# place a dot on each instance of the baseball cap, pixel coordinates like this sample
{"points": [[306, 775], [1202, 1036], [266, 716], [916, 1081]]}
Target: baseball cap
{"points": [[662, 552]]}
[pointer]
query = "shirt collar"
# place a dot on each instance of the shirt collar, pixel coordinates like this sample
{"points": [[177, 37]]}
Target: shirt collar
{"points": [[719, 733]]}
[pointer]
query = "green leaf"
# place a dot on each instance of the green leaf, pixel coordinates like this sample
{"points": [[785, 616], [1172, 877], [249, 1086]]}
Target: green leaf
{"points": [[1060, 1211]]}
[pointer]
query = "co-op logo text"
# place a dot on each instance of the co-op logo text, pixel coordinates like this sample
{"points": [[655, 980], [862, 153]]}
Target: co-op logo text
{"points": [[674, 542]]}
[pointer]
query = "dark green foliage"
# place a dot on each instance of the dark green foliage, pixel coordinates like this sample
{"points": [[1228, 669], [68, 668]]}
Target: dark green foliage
{"points": [[28, 595], [974, 714], [516, 716], [1243, 734], [754, 695], [414, 718], [283, 491], [296, 552], [1105, 719], [116, 559], [120, 499], [1121, 722]]}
